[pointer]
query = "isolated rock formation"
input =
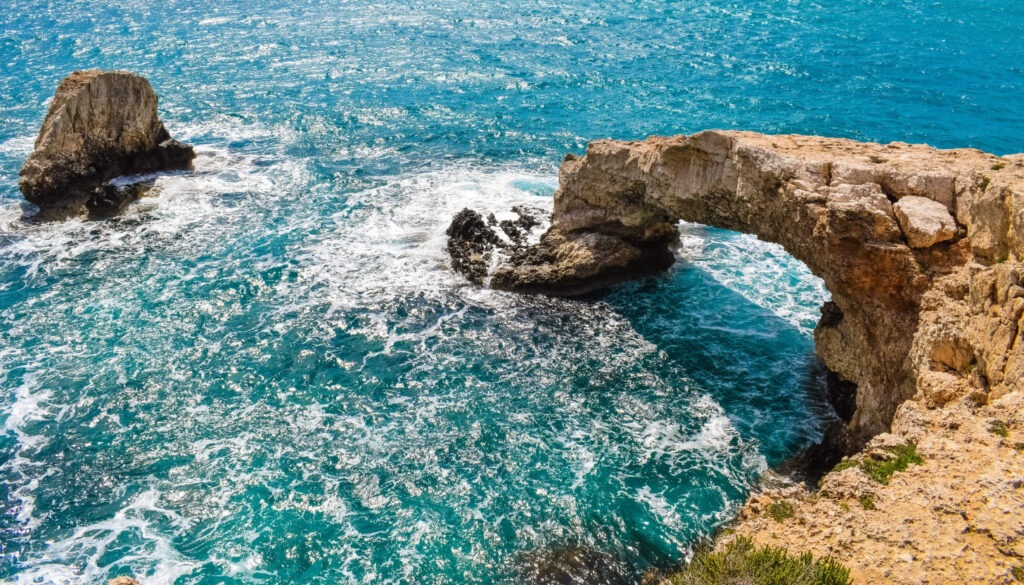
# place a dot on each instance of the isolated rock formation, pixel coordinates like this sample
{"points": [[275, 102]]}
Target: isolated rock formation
{"points": [[919, 247], [101, 125]]}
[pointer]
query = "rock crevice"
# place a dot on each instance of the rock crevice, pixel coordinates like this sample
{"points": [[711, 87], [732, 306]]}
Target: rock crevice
{"points": [[917, 246]]}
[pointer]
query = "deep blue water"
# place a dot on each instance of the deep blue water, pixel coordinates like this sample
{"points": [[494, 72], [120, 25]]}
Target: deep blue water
{"points": [[266, 373]]}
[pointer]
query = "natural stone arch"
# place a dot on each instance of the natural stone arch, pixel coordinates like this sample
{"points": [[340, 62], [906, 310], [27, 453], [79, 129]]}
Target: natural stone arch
{"points": [[913, 289]]}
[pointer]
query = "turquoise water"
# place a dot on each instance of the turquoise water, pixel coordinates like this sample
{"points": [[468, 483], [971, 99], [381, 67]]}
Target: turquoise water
{"points": [[266, 373]]}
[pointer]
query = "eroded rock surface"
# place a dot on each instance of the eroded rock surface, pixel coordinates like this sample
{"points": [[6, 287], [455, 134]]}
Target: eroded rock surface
{"points": [[101, 125], [476, 243], [925, 222], [919, 247], [953, 518]]}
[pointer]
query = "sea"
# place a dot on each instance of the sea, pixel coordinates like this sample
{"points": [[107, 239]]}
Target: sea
{"points": [[265, 371]]}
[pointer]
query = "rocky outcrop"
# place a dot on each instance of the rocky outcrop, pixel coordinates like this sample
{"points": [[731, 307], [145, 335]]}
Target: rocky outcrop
{"points": [[919, 247], [953, 516], [475, 244], [101, 125]]}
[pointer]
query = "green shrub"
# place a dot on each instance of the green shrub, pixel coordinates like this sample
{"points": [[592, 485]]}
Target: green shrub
{"points": [[1018, 572], [998, 166], [998, 427], [882, 470], [867, 501], [846, 464], [1019, 446], [780, 510], [742, 563]]}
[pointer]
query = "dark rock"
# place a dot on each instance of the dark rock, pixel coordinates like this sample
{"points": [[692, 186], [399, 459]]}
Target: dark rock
{"points": [[811, 464], [831, 315], [842, 395], [573, 566], [518, 230], [109, 199], [470, 240]]}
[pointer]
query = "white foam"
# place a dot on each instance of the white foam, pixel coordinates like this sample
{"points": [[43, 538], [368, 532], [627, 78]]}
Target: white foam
{"points": [[661, 509], [18, 147], [396, 246], [760, 271], [215, 20], [76, 559], [30, 405]]}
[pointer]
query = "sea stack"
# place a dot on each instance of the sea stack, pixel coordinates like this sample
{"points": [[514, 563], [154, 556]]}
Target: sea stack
{"points": [[101, 125]]}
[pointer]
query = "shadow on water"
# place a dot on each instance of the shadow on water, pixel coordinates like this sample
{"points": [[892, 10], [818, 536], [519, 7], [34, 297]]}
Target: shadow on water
{"points": [[758, 367]]}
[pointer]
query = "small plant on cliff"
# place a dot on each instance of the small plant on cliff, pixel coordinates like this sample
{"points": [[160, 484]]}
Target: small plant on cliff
{"points": [[902, 456], [867, 501], [780, 510], [998, 428], [1019, 447], [1018, 572], [742, 562], [846, 464], [882, 470], [998, 166]]}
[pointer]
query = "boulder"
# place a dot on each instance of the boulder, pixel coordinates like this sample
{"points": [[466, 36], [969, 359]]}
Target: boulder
{"points": [[101, 125], [924, 222], [122, 581], [470, 241]]}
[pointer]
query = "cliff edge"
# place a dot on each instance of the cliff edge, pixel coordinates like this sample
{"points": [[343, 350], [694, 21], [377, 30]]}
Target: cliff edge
{"points": [[921, 250]]}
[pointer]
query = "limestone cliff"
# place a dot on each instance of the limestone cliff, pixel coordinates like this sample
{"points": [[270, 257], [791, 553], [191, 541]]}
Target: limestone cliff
{"points": [[919, 247], [101, 125]]}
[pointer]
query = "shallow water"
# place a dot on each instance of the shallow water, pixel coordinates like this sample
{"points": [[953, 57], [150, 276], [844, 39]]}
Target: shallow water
{"points": [[266, 373]]}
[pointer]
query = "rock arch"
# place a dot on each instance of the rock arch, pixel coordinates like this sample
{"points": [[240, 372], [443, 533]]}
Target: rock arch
{"points": [[918, 247]]}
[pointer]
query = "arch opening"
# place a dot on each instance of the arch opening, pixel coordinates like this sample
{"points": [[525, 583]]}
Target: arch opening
{"points": [[912, 243]]}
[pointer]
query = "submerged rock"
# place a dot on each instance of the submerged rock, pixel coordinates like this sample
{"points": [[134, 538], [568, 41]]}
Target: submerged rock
{"points": [[122, 581], [473, 241], [573, 566], [109, 199], [470, 241], [101, 125]]}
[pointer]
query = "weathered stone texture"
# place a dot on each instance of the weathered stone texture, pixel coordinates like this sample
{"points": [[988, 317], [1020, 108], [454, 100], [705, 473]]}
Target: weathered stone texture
{"points": [[101, 125]]}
